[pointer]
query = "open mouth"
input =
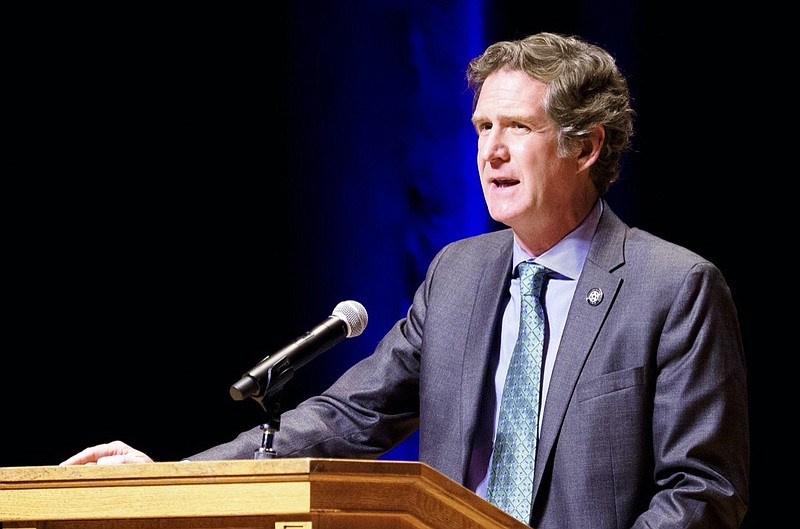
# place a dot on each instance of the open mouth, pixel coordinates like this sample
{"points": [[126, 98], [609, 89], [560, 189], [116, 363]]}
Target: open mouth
{"points": [[504, 182]]}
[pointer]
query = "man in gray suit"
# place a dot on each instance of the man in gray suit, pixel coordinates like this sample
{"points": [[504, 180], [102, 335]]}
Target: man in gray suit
{"points": [[644, 415]]}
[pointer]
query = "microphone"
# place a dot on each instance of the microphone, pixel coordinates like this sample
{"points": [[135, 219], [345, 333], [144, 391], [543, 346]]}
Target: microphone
{"points": [[349, 318]]}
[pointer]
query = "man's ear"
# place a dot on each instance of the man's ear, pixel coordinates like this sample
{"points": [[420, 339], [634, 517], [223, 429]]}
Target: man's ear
{"points": [[590, 147]]}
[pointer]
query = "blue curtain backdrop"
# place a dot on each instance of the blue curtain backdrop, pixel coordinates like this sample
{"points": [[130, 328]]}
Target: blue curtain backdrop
{"points": [[193, 188], [382, 92]]}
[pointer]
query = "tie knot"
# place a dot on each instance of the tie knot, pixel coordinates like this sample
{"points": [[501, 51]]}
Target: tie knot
{"points": [[531, 277]]}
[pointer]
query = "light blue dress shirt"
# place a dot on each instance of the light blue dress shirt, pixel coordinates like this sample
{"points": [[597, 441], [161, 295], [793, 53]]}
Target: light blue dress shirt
{"points": [[566, 260]]}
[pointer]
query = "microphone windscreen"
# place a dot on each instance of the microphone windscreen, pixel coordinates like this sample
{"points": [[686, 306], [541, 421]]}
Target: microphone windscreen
{"points": [[354, 315]]}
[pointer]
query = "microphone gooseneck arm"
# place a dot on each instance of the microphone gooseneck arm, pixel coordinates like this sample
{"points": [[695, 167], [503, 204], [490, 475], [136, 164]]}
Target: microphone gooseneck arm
{"points": [[269, 428]]}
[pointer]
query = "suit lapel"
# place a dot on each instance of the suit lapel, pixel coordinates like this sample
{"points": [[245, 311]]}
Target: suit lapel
{"points": [[480, 343], [584, 322]]}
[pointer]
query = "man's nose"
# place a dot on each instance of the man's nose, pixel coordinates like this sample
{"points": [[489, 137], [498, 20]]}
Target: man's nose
{"points": [[493, 147]]}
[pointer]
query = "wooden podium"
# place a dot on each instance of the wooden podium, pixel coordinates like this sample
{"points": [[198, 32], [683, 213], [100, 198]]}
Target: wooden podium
{"points": [[267, 494]]}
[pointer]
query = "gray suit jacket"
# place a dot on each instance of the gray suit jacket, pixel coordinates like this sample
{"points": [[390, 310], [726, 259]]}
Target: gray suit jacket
{"points": [[646, 423]]}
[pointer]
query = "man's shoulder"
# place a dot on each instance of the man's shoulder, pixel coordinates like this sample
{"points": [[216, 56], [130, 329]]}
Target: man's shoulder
{"points": [[484, 243], [643, 244], [640, 246]]}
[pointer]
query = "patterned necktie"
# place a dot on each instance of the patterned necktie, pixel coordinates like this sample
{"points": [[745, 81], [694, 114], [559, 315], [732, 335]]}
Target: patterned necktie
{"points": [[511, 480]]}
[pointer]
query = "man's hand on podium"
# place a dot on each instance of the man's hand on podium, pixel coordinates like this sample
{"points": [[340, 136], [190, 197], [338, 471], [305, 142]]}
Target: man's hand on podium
{"points": [[113, 453]]}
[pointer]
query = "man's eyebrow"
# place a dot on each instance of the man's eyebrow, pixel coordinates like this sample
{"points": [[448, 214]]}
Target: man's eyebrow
{"points": [[513, 118]]}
